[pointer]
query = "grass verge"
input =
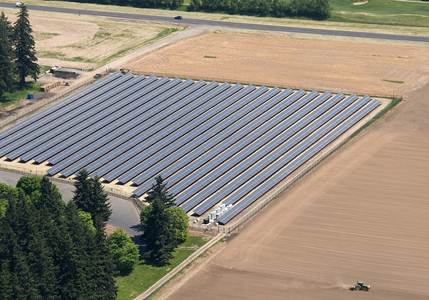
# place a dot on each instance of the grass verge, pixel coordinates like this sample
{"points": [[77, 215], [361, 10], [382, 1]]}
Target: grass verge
{"points": [[145, 275], [12, 97]]}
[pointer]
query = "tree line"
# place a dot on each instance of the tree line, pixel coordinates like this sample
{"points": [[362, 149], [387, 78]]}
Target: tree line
{"points": [[314, 9], [17, 52], [50, 249]]}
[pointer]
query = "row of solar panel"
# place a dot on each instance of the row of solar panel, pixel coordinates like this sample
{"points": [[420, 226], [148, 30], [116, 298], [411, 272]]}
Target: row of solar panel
{"points": [[210, 141], [76, 99], [267, 185], [247, 165]]}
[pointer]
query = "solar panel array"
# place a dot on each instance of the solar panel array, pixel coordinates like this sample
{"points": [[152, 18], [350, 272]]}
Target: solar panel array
{"points": [[212, 142]]}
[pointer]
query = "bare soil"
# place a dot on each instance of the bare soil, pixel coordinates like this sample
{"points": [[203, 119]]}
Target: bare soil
{"points": [[353, 65], [362, 215], [85, 41]]}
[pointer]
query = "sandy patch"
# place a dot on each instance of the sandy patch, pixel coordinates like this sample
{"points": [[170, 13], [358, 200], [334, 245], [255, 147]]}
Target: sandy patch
{"points": [[352, 65]]}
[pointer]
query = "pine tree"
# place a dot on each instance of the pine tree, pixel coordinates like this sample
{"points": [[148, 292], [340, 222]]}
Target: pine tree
{"points": [[89, 196], [159, 190], [75, 265], [6, 67], [158, 237], [13, 241], [102, 281], [163, 224], [25, 51], [51, 199], [46, 249], [82, 191], [101, 206]]}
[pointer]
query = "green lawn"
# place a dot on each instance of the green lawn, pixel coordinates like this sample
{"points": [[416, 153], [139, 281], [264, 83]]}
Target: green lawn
{"points": [[381, 12], [10, 98], [145, 275]]}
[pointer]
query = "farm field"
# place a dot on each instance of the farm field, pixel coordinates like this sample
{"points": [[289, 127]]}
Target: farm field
{"points": [[370, 67], [87, 41], [361, 216]]}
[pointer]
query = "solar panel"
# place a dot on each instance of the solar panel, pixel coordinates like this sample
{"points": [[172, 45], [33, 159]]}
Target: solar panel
{"points": [[153, 145], [266, 186], [91, 142], [258, 157], [99, 125], [14, 141], [91, 156], [212, 142], [211, 128], [76, 98], [93, 119], [183, 125], [190, 152]]}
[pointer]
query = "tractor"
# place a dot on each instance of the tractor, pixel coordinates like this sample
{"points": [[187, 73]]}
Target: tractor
{"points": [[360, 286]]}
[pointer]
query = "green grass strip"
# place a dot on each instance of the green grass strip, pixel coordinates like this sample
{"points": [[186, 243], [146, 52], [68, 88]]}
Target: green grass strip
{"points": [[145, 275]]}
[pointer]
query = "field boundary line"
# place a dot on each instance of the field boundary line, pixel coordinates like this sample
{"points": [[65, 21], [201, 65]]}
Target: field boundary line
{"points": [[179, 268]]}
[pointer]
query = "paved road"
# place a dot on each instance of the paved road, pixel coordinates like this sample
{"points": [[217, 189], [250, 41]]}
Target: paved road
{"points": [[124, 213], [249, 26]]}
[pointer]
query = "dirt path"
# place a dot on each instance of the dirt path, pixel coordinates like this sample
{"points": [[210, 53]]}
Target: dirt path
{"points": [[361, 215]]}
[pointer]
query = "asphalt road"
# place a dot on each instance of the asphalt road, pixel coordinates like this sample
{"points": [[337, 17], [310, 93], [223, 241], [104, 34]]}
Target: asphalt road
{"points": [[124, 213], [247, 26]]}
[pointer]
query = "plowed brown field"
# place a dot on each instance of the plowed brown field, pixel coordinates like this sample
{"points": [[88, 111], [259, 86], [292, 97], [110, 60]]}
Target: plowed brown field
{"points": [[371, 67], [363, 214]]}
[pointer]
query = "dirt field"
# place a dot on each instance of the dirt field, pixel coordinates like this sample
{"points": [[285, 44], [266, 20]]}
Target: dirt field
{"points": [[86, 41], [370, 67], [361, 215]]}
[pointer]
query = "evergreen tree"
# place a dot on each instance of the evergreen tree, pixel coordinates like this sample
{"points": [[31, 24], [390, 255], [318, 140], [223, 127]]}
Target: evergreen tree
{"points": [[47, 250], [159, 191], [82, 191], [164, 226], [25, 51], [6, 67], [101, 206], [75, 265], [102, 281], [50, 199], [12, 229], [158, 237], [89, 196]]}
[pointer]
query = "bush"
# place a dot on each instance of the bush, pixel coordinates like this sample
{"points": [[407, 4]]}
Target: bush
{"points": [[125, 253], [179, 223]]}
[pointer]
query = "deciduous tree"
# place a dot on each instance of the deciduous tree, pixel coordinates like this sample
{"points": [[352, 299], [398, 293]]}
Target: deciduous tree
{"points": [[124, 251]]}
